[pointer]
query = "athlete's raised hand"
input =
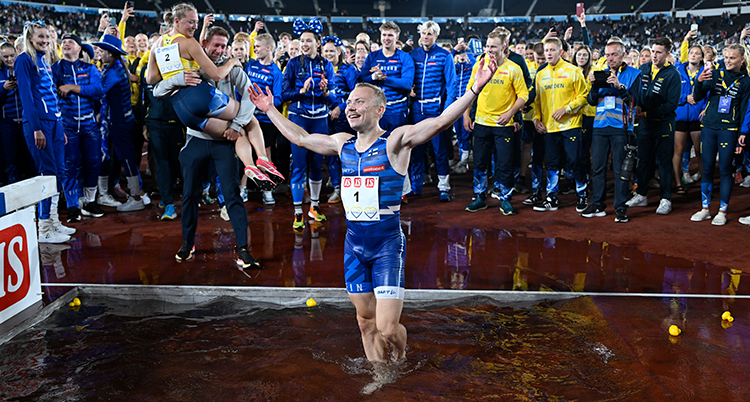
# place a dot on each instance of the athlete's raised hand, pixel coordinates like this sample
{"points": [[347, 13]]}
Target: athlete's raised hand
{"points": [[486, 70], [262, 100]]}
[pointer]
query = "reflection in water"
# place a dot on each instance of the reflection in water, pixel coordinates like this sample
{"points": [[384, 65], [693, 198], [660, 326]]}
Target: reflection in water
{"points": [[227, 350], [437, 258]]}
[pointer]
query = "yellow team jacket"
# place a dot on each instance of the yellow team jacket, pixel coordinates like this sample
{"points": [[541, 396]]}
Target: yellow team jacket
{"points": [[500, 93], [562, 85]]}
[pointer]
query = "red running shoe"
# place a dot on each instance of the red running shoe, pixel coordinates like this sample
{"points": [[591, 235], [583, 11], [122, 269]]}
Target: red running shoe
{"points": [[270, 170], [261, 180]]}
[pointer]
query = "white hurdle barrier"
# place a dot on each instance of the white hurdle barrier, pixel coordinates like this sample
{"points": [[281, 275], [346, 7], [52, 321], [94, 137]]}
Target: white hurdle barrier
{"points": [[20, 282]]}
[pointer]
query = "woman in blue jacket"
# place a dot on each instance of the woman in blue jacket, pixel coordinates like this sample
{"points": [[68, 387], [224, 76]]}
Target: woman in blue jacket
{"points": [[119, 115], [18, 162], [308, 83], [79, 86], [42, 127], [346, 80], [688, 121]]}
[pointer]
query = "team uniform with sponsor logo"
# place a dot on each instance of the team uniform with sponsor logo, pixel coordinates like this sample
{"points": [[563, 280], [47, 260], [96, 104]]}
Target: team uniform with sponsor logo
{"points": [[83, 148], [309, 111], [498, 97], [375, 247], [40, 113], [558, 86], [727, 116], [435, 90], [399, 71]]}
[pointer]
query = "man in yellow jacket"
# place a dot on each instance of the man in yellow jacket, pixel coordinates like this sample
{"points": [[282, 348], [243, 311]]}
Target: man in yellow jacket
{"points": [[561, 95]]}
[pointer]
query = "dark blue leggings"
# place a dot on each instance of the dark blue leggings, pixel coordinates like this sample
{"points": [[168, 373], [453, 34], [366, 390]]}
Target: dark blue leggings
{"points": [[723, 143]]}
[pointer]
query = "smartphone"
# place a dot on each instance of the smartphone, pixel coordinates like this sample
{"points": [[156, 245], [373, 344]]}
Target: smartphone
{"points": [[113, 21], [600, 78], [12, 78], [579, 9], [694, 27], [707, 65], [131, 4]]}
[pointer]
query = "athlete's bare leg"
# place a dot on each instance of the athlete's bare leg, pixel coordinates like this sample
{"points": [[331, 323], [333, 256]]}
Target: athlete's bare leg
{"points": [[380, 327]]}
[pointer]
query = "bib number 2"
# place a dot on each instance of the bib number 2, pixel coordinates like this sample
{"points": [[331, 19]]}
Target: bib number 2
{"points": [[168, 58], [360, 197]]}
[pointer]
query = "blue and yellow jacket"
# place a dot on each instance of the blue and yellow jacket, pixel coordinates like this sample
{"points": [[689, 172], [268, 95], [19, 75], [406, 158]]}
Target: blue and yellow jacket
{"points": [[37, 90], [312, 105], [686, 111], [558, 86], [630, 77], [735, 85], [435, 73], [78, 109], [399, 71]]}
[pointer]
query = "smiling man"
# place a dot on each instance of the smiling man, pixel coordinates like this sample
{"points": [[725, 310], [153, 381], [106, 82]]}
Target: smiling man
{"points": [[393, 71], [374, 164]]}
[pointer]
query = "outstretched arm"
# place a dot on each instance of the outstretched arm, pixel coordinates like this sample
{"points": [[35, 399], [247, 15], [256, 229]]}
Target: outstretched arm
{"points": [[411, 136], [318, 143]]}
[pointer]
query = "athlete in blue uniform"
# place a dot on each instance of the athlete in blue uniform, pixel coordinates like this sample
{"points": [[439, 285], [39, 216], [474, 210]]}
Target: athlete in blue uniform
{"points": [[79, 85], [435, 90], [42, 127], [373, 167], [308, 84]]}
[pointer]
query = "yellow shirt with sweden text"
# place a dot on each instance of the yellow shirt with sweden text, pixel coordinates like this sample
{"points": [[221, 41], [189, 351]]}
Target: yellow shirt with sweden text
{"points": [[500, 93], [558, 86]]}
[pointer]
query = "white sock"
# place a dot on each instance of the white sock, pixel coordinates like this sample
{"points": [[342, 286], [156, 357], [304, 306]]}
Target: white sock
{"points": [[315, 186], [89, 194], [298, 208]]}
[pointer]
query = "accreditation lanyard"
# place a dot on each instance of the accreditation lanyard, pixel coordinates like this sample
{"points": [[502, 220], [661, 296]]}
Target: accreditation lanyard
{"points": [[725, 102]]}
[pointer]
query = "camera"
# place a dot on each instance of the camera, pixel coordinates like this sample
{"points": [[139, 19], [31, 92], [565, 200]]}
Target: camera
{"points": [[629, 162]]}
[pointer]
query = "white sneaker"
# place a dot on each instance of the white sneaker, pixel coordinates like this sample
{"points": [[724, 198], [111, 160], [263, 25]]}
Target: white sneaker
{"points": [[745, 220], [687, 179], [697, 177], [745, 182], [268, 198], [637, 201], [131, 205], [224, 214], [665, 207], [48, 235], [334, 197], [58, 227], [720, 219], [146, 199], [107, 200], [702, 215]]}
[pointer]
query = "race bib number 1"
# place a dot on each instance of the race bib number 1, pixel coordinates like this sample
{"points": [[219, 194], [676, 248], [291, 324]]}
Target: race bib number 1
{"points": [[168, 58], [360, 197]]}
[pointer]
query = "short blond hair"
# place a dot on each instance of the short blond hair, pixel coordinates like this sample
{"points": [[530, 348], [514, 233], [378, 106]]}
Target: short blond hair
{"points": [[379, 98], [390, 26]]}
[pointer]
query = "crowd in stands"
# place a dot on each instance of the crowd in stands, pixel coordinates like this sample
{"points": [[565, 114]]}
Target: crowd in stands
{"points": [[115, 86]]}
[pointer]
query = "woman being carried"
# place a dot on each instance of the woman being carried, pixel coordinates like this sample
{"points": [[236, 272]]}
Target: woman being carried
{"points": [[203, 107]]}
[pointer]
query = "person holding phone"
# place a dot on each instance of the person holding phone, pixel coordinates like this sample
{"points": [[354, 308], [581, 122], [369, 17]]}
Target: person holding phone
{"points": [[726, 122], [615, 109], [15, 153], [42, 126]]}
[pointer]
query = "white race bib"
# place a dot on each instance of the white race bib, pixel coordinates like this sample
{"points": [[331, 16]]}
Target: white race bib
{"points": [[360, 197], [168, 58]]}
